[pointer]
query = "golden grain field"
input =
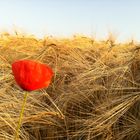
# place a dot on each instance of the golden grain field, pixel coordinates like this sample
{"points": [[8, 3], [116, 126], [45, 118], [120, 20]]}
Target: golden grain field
{"points": [[94, 94]]}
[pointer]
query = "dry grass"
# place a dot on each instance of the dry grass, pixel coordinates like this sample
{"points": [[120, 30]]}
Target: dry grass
{"points": [[94, 95]]}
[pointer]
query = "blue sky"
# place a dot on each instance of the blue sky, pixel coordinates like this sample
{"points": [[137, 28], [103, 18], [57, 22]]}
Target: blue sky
{"points": [[68, 17]]}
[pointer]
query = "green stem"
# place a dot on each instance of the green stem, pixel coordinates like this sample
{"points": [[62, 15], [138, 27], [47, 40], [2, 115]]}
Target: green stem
{"points": [[21, 116]]}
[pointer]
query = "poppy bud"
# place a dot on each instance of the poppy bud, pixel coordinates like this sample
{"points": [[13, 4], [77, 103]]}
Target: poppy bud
{"points": [[31, 75]]}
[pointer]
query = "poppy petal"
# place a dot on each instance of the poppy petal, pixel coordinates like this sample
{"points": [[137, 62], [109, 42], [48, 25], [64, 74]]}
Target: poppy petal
{"points": [[31, 75]]}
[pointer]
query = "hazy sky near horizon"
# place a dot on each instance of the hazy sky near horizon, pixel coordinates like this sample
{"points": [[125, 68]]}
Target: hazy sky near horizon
{"points": [[69, 17]]}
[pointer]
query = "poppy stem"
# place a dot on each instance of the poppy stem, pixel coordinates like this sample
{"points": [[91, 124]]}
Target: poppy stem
{"points": [[21, 116]]}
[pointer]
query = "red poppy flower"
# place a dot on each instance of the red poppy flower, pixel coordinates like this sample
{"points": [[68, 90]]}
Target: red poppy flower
{"points": [[31, 75]]}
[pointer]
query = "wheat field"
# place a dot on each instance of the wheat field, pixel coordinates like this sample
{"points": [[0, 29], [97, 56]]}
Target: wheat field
{"points": [[94, 94]]}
